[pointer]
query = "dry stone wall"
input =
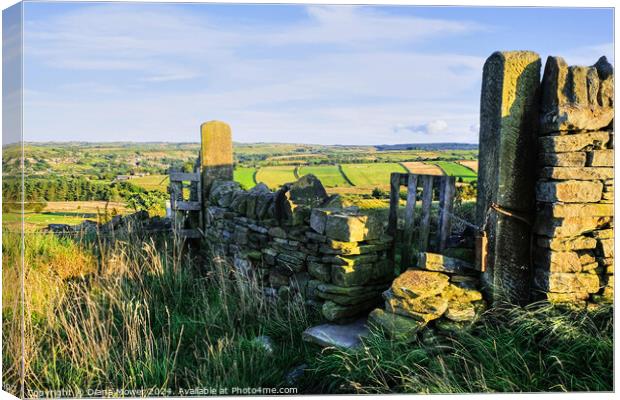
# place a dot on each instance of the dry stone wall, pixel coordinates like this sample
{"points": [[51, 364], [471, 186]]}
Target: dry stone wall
{"points": [[300, 241], [574, 256]]}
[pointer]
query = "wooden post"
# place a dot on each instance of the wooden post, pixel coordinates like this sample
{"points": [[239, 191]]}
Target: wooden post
{"points": [[446, 202], [425, 225], [407, 250], [393, 216]]}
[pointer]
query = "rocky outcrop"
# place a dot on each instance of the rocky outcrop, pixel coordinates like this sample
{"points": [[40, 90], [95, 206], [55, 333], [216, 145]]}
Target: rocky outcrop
{"points": [[441, 292]]}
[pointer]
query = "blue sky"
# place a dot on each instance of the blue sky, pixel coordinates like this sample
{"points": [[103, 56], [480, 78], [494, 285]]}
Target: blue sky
{"points": [[305, 74]]}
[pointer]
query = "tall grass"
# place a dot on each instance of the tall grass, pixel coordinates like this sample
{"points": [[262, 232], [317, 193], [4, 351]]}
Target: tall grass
{"points": [[532, 349], [138, 312], [147, 317]]}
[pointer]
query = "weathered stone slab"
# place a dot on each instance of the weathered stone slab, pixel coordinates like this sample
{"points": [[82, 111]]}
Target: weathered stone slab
{"points": [[238, 201], [423, 309], [560, 298], [567, 244], [560, 282], [352, 228], [572, 98], [592, 268], [349, 299], [351, 260], [345, 336], [465, 282], [351, 248], [601, 158], [352, 290], [606, 247], [572, 159], [361, 274], [460, 312], [455, 292], [586, 258], [608, 291], [582, 173], [221, 192], [571, 191], [294, 201], [440, 263], [572, 226], [320, 271], [415, 283], [573, 142], [603, 234], [557, 261], [318, 218], [315, 237], [508, 126], [333, 312], [312, 288], [577, 210], [396, 326]]}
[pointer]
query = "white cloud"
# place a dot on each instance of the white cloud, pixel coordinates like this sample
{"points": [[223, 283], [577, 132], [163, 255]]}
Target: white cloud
{"points": [[359, 26], [356, 94], [430, 128]]}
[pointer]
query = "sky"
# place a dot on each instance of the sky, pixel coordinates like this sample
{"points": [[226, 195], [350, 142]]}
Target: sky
{"points": [[279, 73]]}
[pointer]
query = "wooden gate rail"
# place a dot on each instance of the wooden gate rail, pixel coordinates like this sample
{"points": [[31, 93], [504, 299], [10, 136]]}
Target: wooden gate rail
{"points": [[446, 188], [186, 210]]}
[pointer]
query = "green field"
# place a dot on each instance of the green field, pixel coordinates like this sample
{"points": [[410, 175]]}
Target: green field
{"points": [[245, 176], [329, 175], [151, 182], [458, 170], [274, 177], [62, 212], [371, 175]]}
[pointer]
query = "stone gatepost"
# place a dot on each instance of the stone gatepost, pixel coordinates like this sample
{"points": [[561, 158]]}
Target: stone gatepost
{"points": [[216, 154], [507, 174]]}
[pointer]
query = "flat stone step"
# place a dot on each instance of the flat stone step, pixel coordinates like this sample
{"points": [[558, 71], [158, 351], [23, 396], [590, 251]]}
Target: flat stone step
{"points": [[334, 335], [440, 263]]}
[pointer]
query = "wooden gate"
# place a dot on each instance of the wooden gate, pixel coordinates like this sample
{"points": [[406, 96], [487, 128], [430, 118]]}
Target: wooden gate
{"points": [[186, 212], [444, 187]]}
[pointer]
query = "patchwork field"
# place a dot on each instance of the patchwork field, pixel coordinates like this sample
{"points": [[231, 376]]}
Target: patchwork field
{"points": [[151, 182], [329, 175], [371, 175], [245, 176], [471, 164], [62, 212], [275, 177], [422, 168], [458, 170]]}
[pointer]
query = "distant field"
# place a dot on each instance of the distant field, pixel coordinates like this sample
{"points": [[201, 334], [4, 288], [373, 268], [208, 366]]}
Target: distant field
{"points": [[329, 175], [371, 204], [245, 176], [455, 169], [417, 167], [275, 177], [151, 182], [471, 164], [63, 212], [371, 175]]}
